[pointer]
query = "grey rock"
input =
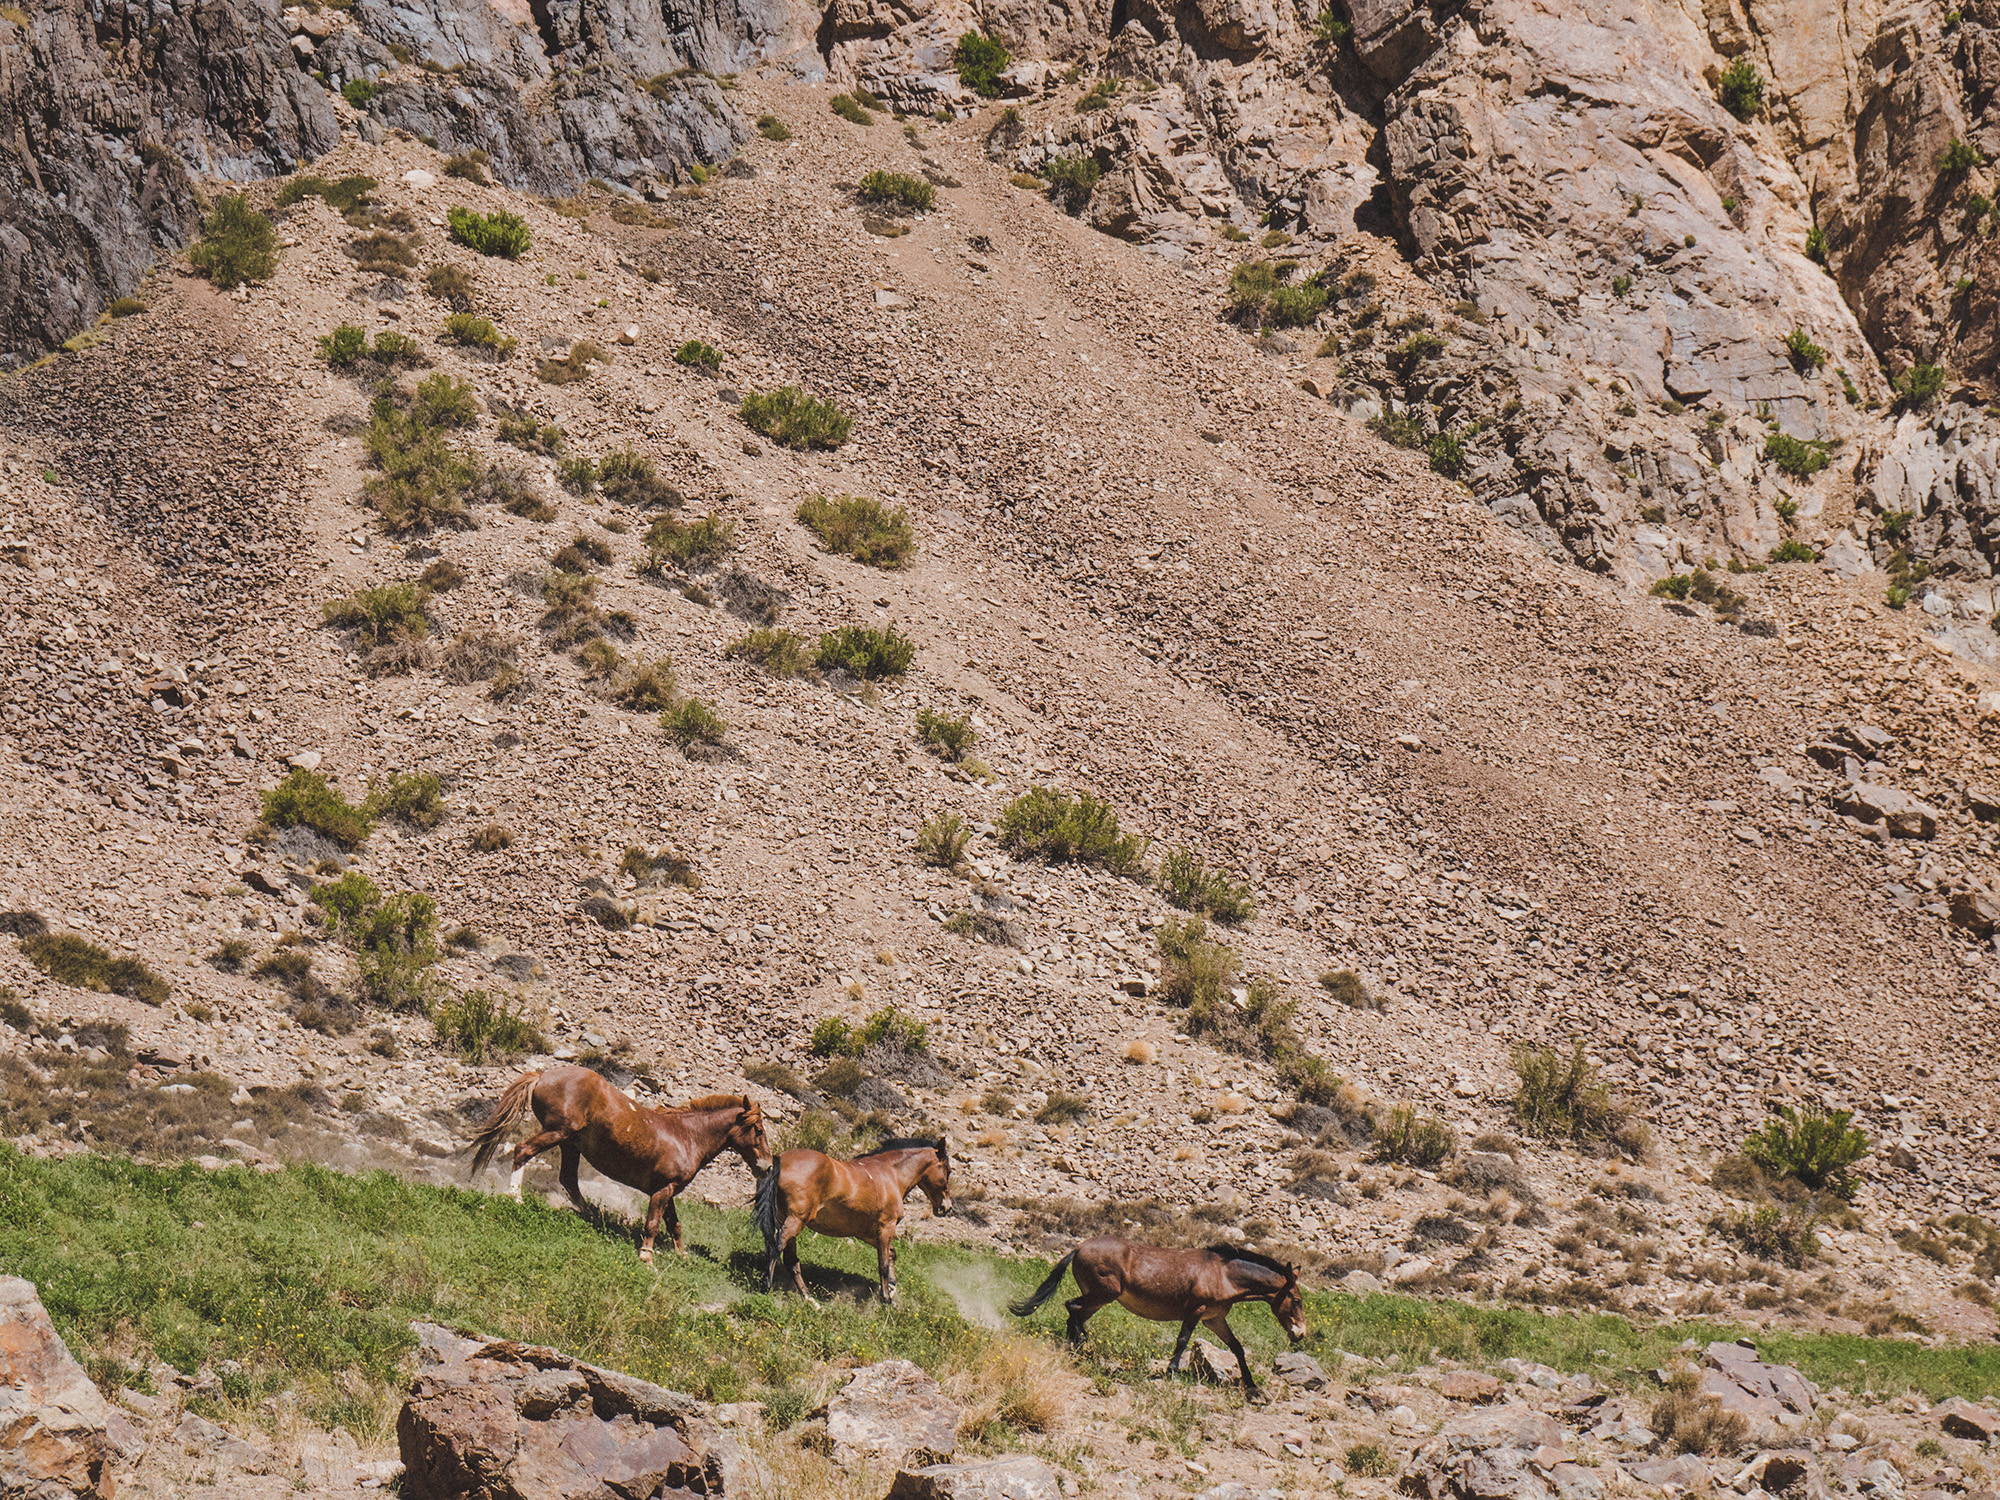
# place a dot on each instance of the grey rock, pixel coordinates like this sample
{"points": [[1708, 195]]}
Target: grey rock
{"points": [[1681, 1471], [58, 1435], [1867, 740], [1207, 1362], [1961, 1418], [1495, 1453], [220, 1446], [1013, 1478], [1897, 811], [893, 1411], [1743, 1383], [1299, 1369]]}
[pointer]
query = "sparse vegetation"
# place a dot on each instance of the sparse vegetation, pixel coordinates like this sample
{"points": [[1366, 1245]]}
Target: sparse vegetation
{"points": [[669, 540], [469, 166], [573, 366], [76, 961], [896, 188], [1958, 158], [1801, 458], [981, 60], [1805, 355], [417, 797], [1689, 1421], [383, 254], [1063, 1108], [1920, 386], [1071, 178], [691, 723], [1563, 1096], [237, 244], [498, 234], [1411, 1139], [1792, 550], [850, 109], [773, 129], [1192, 886], [778, 651], [424, 481], [1812, 1145], [950, 737], [942, 839], [306, 799], [492, 839], [860, 527], [347, 197], [790, 417], [1058, 828], [1741, 89], [475, 332], [382, 613], [865, 651], [644, 686], [1773, 1233], [1368, 1461], [482, 1030], [699, 356], [1260, 297], [393, 936], [1346, 988]]}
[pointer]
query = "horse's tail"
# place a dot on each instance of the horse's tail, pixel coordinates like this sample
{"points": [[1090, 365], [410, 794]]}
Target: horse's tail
{"points": [[767, 1211], [494, 1131], [1043, 1292]]}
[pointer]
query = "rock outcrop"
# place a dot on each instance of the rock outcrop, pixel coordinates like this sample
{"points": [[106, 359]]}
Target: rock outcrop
{"points": [[58, 1436], [502, 1419]]}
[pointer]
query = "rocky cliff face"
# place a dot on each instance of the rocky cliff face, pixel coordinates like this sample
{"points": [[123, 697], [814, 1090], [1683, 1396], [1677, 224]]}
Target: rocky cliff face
{"points": [[106, 110]]}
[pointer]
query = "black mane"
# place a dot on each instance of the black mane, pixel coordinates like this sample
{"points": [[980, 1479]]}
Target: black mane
{"points": [[1234, 1252], [906, 1143]]}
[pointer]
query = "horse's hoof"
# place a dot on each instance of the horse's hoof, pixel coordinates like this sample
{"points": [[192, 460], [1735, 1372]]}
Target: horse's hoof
{"points": [[647, 1256]]}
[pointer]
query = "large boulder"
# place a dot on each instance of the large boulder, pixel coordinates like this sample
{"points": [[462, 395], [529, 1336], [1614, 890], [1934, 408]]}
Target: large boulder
{"points": [[1903, 815], [1013, 1478], [1494, 1453], [505, 1421], [892, 1411], [58, 1436], [1735, 1376]]}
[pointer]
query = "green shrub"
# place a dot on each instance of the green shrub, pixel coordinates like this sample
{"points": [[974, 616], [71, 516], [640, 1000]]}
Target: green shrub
{"points": [[865, 651], [522, 430], [1786, 507], [1071, 178], [904, 191], [692, 723], [1800, 458], [1805, 355], [345, 197], [443, 401], [1813, 1145], [779, 652], [81, 964], [1063, 1108], [942, 839], [981, 60], [1897, 597], [1920, 385], [792, 418], [1959, 158], [1793, 550], [1400, 428], [699, 356], [1101, 95], [394, 938], [1621, 285], [644, 686], [1816, 245], [306, 799], [950, 737], [125, 307], [573, 366], [417, 797], [1369, 1460], [1673, 586], [860, 527], [1564, 1097], [392, 348], [382, 613], [1447, 453], [1296, 306], [630, 478], [773, 129], [1407, 357], [1741, 89], [1346, 988], [1058, 828], [237, 244], [669, 541], [502, 234], [469, 166], [481, 1030], [343, 346], [832, 1037], [1771, 1233], [1411, 1139], [850, 109], [1191, 886], [424, 480], [476, 332], [384, 254], [360, 92], [577, 475]]}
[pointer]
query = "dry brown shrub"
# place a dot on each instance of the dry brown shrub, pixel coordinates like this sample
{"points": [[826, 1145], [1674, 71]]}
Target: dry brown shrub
{"points": [[1026, 1383], [1689, 1422]]}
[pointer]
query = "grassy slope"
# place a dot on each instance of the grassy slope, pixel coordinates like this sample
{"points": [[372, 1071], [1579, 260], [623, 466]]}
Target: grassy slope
{"points": [[307, 1278]]}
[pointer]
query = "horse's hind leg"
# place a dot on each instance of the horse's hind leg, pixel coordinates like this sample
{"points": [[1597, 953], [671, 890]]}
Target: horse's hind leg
{"points": [[885, 1266], [1081, 1310], [1219, 1326], [1181, 1345], [531, 1148], [572, 1158], [790, 1239]]}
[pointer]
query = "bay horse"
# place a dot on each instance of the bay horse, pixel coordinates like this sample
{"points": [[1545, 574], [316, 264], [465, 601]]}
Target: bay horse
{"points": [[860, 1199], [1191, 1286], [657, 1151]]}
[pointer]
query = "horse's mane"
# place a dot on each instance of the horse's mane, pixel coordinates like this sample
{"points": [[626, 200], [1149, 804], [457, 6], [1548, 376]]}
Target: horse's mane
{"points": [[906, 1143], [714, 1101], [1233, 1252]]}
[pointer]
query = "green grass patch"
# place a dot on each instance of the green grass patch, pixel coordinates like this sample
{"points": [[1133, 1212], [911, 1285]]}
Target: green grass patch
{"points": [[850, 109], [475, 332], [383, 613], [773, 129], [503, 234], [309, 1278], [692, 723], [790, 417], [237, 244], [669, 540], [345, 195], [80, 963], [780, 652], [899, 189]]}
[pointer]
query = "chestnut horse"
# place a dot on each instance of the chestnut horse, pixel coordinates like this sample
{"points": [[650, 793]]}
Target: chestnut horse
{"points": [[657, 1151], [860, 1199], [1191, 1286]]}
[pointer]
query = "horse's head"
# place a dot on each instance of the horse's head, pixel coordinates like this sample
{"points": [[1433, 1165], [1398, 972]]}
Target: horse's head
{"points": [[936, 1179], [1289, 1307], [746, 1138]]}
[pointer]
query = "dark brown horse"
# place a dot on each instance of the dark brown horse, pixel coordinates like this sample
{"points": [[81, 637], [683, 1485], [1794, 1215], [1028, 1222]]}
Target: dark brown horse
{"points": [[1188, 1286], [857, 1200], [657, 1151]]}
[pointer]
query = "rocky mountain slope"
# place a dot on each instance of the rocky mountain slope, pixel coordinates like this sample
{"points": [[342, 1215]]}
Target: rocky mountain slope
{"points": [[1734, 844]]}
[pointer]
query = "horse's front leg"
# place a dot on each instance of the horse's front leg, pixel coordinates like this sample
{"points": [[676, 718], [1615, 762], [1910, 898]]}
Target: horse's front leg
{"points": [[661, 1206], [1181, 1345], [885, 1266], [1219, 1326]]}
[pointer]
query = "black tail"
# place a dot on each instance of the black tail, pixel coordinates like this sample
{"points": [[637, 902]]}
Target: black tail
{"points": [[1043, 1292], [767, 1212]]}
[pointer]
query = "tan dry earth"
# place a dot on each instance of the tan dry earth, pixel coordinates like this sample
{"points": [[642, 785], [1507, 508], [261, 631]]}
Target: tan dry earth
{"points": [[1525, 802]]}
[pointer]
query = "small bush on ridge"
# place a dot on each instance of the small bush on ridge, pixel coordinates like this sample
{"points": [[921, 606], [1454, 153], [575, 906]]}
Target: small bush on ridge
{"points": [[860, 527], [790, 417], [499, 234], [865, 651], [1058, 828], [237, 245]]}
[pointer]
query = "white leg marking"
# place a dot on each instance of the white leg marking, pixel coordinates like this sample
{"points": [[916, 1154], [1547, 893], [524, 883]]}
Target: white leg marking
{"points": [[515, 1187]]}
